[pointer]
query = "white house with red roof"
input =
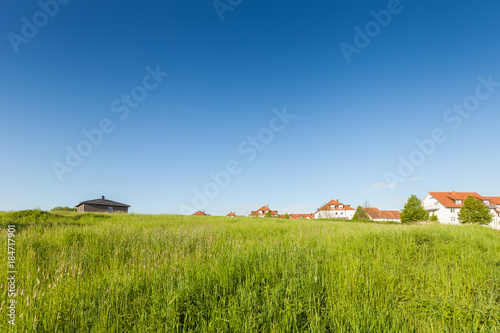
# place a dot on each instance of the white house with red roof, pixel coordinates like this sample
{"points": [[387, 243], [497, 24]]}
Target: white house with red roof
{"points": [[446, 206], [261, 212], [335, 210]]}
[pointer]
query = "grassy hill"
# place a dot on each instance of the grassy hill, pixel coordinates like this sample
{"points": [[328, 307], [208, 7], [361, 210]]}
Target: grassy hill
{"points": [[160, 273]]}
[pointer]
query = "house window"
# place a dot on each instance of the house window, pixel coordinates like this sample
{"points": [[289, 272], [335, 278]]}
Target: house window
{"points": [[110, 209], [452, 210], [458, 202], [332, 206], [341, 206], [452, 219], [486, 202], [436, 203]]}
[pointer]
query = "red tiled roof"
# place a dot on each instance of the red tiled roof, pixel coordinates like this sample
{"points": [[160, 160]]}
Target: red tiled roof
{"points": [[200, 213], [391, 214], [336, 203], [263, 208], [298, 216], [375, 213], [447, 199], [231, 214], [493, 200]]}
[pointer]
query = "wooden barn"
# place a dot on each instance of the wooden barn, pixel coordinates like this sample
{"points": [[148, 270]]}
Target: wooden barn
{"points": [[102, 205]]}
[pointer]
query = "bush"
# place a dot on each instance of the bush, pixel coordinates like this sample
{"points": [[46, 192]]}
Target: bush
{"points": [[40, 217], [63, 209]]}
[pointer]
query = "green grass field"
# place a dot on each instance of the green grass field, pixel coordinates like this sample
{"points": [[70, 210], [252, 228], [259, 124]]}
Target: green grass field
{"points": [[145, 273]]}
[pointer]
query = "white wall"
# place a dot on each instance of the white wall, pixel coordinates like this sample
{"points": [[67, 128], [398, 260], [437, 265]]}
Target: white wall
{"points": [[445, 215], [330, 214]]}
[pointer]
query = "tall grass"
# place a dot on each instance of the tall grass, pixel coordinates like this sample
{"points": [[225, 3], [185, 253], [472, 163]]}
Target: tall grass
{"points": [[140, 273]]}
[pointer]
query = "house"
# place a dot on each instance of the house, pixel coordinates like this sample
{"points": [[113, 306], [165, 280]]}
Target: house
{"points": [[200, 213], [301, 216], [446, 206], [335, 209], [231, 214], [101, 205], [261, 212], [383, 215]]}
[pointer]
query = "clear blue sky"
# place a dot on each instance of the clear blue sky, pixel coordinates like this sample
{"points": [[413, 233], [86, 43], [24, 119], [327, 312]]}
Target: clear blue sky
{"points": [[353, 120]]}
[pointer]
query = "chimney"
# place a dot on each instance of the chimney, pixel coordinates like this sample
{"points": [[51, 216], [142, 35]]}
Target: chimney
{"points": [[103, 197], [453, 193]]}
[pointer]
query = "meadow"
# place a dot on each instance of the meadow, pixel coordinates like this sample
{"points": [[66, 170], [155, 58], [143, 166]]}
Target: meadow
{"points": [[161, 273]]}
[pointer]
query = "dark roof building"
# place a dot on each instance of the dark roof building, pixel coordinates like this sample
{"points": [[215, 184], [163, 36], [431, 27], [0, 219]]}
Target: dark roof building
{"points": [[102, 205]]}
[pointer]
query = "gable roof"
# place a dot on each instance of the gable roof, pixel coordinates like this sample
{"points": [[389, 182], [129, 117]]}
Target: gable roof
{"points": [[231, 214], [264, 208], [103, 202], [391, 214], [200, 213], [301, 216], [448, 199], [376, 213], [336, 203]]}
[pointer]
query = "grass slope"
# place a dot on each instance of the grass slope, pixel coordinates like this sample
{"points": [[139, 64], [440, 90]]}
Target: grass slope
{"points": [[143, 273]]}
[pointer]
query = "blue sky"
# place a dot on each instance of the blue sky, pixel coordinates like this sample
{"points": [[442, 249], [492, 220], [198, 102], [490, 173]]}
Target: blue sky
{"points": [[352, 120]]}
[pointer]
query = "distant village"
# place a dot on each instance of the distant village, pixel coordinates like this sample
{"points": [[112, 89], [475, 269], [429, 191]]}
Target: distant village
{"points": [[444, 205]]}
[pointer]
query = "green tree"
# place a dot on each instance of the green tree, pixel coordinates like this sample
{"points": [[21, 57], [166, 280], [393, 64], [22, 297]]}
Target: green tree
{"points": [[267, 214], [413, 211], [474, 211], [286, 216], [434, 218], [360, 214]]}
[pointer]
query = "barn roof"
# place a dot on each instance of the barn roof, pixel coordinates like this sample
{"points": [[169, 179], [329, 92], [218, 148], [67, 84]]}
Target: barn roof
{"points": [[103, 202]]}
